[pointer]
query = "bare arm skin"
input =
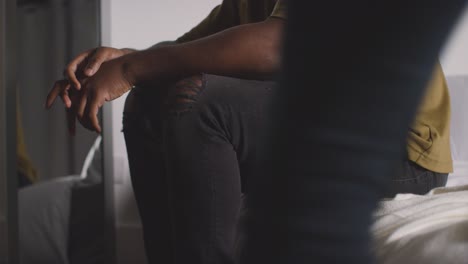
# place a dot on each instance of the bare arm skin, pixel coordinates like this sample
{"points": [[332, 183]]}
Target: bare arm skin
{"points": [[246, 51]]}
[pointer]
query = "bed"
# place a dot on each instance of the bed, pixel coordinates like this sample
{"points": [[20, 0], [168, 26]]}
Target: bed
{"points": [[431, 228], [60, 220]]}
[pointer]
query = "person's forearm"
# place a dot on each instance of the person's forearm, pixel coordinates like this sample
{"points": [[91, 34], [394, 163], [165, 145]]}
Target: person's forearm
{"points": [[157, 45], [248, 51]]}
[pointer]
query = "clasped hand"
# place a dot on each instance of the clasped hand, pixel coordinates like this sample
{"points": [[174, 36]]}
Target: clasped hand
{"points": [[91, 79]]}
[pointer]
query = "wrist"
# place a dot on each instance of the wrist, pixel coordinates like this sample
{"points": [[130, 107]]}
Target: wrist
{"points": [[128, 69], [151, 67], [127, 51]]}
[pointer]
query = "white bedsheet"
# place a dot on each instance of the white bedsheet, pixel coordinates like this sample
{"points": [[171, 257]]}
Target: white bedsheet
{"points": [[431, 228]]}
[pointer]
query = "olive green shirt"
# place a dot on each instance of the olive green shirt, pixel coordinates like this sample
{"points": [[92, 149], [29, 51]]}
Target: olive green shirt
{"points": [[231, 13], [24, 164], [429, 136]]}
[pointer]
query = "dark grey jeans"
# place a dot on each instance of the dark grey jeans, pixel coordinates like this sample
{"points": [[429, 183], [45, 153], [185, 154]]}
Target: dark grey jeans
{"points": [[413, 178], [192, 150]]}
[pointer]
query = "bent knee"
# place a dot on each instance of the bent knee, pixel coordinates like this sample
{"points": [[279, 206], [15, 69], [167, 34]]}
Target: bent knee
{"points": [[184, 94], [137, 114], [131, 104], [177, 98]]}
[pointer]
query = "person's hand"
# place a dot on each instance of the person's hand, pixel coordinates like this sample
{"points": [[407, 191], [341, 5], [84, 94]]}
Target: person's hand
{"points": [[88, 63], [109, 83], [78, 70]]}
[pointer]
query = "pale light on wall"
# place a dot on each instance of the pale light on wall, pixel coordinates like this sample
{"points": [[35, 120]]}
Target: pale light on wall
{"points": [[455, 55]]}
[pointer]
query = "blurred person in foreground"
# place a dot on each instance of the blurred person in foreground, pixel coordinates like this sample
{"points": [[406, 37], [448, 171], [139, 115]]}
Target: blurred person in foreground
{"points": [[371, 61]]}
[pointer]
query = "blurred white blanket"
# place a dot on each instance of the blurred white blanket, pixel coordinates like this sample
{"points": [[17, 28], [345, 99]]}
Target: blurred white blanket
{"points": [[431, 228]]}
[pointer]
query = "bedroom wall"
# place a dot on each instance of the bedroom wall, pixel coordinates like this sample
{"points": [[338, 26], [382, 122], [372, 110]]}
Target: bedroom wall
{"points": [[141, 23], [455, 55], [455, 63]]}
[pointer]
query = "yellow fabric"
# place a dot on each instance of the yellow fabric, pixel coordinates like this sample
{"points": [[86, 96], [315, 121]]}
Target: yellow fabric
{"points": [[232, 13], [429, 136], [25, 165], [428, 140]]}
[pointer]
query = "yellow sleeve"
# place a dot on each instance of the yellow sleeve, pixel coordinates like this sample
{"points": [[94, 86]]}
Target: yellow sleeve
{"points": [[24, 165], [221, 17], [279, 10]]}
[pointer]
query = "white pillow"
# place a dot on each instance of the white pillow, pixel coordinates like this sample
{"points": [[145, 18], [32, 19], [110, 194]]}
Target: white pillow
{"points": [[92, 166]]}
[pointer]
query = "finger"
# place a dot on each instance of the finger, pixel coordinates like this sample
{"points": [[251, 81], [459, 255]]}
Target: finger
{"points": [[93, 115], [65, 96], [95, 60], [71, 121], [71, 70], [56, 90], [82, 106], [75, 97], [84, 121], [90, 120]]}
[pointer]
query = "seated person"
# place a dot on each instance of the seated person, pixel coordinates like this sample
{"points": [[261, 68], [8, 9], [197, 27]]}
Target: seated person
{"points": [[194, 124]]}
